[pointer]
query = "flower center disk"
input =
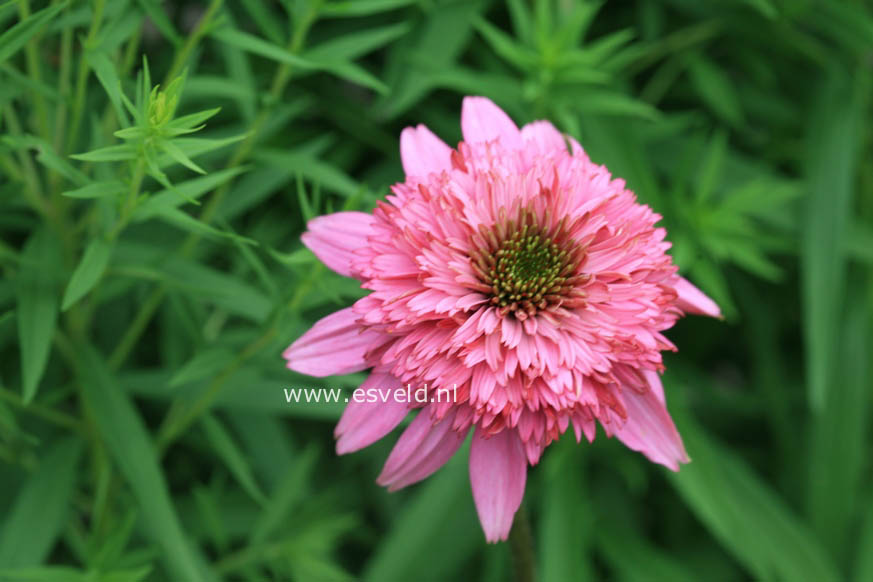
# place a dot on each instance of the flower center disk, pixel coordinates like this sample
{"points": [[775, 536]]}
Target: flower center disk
{"points": [[525, 267]]}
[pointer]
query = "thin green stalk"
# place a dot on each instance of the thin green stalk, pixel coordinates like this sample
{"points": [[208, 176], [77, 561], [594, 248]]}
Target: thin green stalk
{"points": [[48, 414], [140, 322], [64, 74], [180, 416], [82, 77], [522, 543], [33, 191], [193, 39], [132, 198], [34, 70]]}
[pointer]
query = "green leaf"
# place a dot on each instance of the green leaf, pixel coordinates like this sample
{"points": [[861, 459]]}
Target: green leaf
{"points": [[506, 47], [712, 168], [177, 154], [185, 221], [13, 39], [88, 271], [864, 555], [311, 168], [189, 190], [426, 540], [125, 436], [341, 68], [224, 446], [188, 122], [715, 88], [39, 512], [567, 519], [47, 157], [260, 47], [362, 7], [203, 365], [37, 307], [260, 13], [196, 146], [97, 190], [745, 515], [290, 492], [115, 153], [839, 446], [834, 141], [627, 553], [352, 46], [161, 21], [108, 77]]}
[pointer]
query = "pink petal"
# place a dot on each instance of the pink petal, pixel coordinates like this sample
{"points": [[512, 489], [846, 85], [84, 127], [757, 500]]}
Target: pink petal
{"points": [[654, 380], [544, 137], [650, 430], [422, 152], [335, 237], [423, 448], [482, 120], [364, 423], [336, 344], [498, 470], [692, 300]]}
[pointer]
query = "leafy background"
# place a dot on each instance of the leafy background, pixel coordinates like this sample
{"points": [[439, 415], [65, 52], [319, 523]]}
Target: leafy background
{"points": [[152, 275]]}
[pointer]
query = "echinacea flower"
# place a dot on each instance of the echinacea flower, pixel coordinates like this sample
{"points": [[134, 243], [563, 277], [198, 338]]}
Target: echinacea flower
{"points": [[521, 273]]}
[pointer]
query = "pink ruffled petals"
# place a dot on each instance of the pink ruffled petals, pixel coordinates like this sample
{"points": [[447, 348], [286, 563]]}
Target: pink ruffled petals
{"points": [[498, 471]]}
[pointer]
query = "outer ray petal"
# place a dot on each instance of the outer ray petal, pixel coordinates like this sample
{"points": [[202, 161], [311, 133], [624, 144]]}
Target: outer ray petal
{"points": [[693, 300], [650, 430], [422, 152], [336, 344], [423, 448], [544, 137], [482, 120], [334, 238], [498, 471], [364, 423]]}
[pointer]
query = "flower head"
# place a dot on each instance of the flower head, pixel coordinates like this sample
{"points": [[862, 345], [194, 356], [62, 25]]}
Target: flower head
{"points": [[517, 272]]}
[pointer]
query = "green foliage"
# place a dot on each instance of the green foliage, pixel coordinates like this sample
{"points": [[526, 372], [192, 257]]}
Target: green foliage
{"points": [[159, 161]]}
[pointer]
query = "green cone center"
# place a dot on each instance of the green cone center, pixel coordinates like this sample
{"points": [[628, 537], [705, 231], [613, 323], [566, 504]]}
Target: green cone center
{"points": [[528, 265]]}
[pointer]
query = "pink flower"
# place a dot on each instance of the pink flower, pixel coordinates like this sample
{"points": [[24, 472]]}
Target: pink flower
{"points": [[521, 273]]}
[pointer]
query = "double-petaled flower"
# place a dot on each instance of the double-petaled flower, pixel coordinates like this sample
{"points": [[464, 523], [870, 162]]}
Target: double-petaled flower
{"points": [[521, 275]]}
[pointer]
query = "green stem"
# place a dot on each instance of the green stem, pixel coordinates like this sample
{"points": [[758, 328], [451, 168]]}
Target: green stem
{"points": [[181, 416], [193, 38], [82, 78], [132, 198], [64, 73], [522, 543], [47, 414], [34, 70]]}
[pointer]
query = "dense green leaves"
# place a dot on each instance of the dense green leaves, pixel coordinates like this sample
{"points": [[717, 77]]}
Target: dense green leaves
{"points": [[125, 436]]}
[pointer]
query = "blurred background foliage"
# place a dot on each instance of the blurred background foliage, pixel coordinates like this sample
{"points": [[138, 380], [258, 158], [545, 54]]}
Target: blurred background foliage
{"points": [[152, 275]]}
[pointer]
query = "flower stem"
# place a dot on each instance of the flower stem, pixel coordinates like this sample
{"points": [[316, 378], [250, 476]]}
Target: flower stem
{"points": [[521, 542]]}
